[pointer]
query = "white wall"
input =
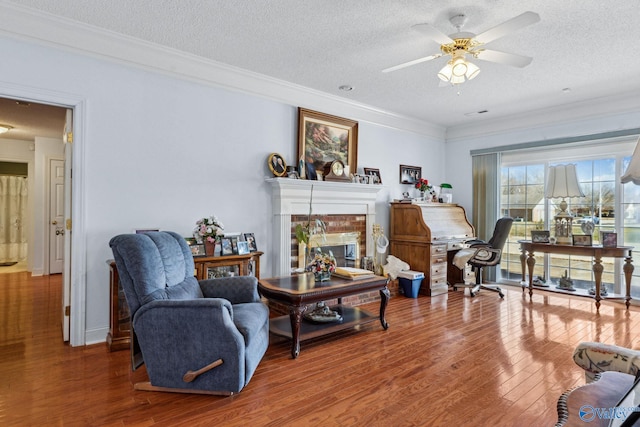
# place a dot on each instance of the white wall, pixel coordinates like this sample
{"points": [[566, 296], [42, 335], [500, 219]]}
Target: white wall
{"points": [[458, 158], [162, 152]]}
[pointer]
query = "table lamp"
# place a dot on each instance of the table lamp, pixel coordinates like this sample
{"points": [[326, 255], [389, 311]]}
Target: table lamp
{"points": [[633, 170], [562, 182]]}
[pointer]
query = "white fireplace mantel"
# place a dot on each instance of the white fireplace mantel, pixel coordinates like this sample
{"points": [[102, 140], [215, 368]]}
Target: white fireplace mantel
{"points": [[291, 197]]}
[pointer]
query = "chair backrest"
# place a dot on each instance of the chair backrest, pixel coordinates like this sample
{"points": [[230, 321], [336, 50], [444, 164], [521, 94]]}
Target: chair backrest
{"points": [[501, 233], [155, 265]]}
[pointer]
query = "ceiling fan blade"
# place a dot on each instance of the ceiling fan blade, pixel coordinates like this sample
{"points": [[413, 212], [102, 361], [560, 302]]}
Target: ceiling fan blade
{"points": [[433, 33], [512, 59], [507, 27], [410, 63]]}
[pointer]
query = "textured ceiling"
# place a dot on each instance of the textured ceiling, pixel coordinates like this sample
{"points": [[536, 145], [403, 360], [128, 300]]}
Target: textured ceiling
{"points": [[589, 47]]}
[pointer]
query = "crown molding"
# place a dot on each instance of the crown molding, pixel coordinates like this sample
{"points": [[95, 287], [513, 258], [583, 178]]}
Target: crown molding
{"points": [[46, 29], [590, 110]]}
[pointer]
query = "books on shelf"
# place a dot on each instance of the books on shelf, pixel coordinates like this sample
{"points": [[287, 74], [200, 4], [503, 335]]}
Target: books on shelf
{"points": [[353, 273]]}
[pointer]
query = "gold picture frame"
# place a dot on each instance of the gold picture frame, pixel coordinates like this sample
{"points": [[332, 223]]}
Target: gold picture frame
{"points": [[323, 138], [277, 165]]}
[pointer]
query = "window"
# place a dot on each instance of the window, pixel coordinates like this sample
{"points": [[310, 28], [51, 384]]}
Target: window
{"points": [[607, 205]]}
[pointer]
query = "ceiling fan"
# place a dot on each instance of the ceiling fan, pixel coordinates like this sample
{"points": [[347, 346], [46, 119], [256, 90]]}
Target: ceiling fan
{"points": [[457, 46]]}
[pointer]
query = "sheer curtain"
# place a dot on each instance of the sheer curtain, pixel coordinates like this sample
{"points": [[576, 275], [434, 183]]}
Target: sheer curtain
{"points": [[13, 215], [486, 172]]}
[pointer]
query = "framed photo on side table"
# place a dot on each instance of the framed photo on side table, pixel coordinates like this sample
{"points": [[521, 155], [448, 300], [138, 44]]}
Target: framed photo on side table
{"points": [[581, 240], [251, 240], [243, 248], [540, 236], [227, 248], [324, 138], [410, 174], [609, 239]]}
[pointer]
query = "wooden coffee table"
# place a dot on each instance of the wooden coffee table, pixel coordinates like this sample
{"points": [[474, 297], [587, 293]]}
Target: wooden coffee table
{"points": [[299, 290]]}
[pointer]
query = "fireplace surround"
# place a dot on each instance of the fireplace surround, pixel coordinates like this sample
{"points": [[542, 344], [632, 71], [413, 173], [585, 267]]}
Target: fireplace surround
{"points": [[340, 203]]}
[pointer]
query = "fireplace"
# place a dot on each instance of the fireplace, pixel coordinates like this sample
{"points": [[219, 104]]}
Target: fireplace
{"points": [[345, 248], [345, 208]]}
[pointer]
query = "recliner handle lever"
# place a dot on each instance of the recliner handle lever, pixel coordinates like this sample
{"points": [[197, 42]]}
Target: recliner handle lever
{"points": [[192, 375]]}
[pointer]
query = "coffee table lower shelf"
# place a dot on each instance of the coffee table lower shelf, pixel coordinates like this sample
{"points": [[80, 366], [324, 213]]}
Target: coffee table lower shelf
{"points": [[351, 316]]}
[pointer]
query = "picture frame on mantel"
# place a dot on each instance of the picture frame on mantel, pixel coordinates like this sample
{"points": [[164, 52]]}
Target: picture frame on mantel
{"points": [[323, 138]]}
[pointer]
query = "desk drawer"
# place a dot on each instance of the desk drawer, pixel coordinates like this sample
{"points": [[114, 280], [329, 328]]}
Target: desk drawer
{"points": [[439, 249], [439, 269]]}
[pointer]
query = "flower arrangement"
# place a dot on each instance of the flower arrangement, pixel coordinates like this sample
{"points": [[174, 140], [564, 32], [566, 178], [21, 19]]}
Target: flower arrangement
{"points": [[423, 185], [208, 229], [322, 263]]}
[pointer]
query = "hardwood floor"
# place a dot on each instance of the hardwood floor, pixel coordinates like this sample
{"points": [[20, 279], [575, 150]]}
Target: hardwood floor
{"points": [[447, 360]]}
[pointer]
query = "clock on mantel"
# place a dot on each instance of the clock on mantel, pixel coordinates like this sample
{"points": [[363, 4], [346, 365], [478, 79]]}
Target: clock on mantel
{"points": [[335, 171]]}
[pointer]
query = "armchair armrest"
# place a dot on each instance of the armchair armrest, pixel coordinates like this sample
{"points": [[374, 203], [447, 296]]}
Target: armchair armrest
{"points": [[237, 289], [596, 357]]}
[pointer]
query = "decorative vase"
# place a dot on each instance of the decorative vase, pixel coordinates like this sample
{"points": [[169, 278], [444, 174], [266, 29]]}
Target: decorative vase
{"points": [[322, 276], [209, 247], [422, 195]]}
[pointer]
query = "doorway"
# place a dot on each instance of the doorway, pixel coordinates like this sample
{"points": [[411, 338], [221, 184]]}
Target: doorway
{"points": [[35, 137]]}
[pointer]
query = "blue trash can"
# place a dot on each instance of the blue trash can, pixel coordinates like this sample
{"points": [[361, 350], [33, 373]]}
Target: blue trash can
{"points": [[410, 282]]}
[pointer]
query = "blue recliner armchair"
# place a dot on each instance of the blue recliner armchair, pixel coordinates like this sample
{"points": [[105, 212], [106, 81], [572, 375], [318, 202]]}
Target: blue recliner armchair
{"points": [[196, 337]]}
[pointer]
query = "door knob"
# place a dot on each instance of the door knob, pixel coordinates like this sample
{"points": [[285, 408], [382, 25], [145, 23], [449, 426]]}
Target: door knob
{"points": [[54, 222]]}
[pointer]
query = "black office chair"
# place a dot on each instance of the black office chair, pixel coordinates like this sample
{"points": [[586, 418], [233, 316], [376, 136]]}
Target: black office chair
{"points": [[486, 254]]}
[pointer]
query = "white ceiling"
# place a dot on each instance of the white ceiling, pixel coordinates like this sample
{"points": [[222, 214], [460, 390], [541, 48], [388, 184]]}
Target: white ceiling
{"points": [[582, 50]]}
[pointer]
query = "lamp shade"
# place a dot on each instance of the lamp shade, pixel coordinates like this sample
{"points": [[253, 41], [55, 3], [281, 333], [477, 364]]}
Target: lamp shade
{"points": [[563, 182], [633, 170]]}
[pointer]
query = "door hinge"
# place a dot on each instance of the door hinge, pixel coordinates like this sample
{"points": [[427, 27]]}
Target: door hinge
{"points": [[69, 224], [69, 139], [67, 310]]}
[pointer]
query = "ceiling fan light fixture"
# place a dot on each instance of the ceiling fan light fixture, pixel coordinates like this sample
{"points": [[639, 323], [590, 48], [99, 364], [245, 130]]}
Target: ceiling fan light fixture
{"points": [[445, 73], [456, 80], [472, 71], [459, 66]]}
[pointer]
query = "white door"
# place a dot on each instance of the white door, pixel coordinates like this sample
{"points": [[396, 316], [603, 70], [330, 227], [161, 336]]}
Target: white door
{"points": [[56, 216], [66, 274]]}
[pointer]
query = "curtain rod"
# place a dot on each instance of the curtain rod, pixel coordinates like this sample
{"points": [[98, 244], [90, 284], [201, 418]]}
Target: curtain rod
{"points": [[556, 141]]}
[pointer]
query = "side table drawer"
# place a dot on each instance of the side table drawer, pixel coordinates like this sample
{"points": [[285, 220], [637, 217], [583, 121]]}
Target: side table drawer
{"points": [[439, 249]]}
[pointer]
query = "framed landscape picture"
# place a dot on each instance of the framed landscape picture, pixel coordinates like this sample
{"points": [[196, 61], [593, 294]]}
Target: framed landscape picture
{"points": [[323, 138]]}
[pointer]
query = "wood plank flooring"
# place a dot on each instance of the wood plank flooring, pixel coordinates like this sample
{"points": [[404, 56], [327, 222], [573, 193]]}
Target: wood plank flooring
{"points": [[447, 360]]}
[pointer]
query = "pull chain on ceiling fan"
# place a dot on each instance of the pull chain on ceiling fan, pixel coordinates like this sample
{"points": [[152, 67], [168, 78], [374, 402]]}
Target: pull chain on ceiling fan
{"points": [[458, 69]]}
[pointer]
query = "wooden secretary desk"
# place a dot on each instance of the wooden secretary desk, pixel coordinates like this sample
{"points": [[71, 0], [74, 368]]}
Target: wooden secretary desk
{"points": [[427, 236], [207, 267]]}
